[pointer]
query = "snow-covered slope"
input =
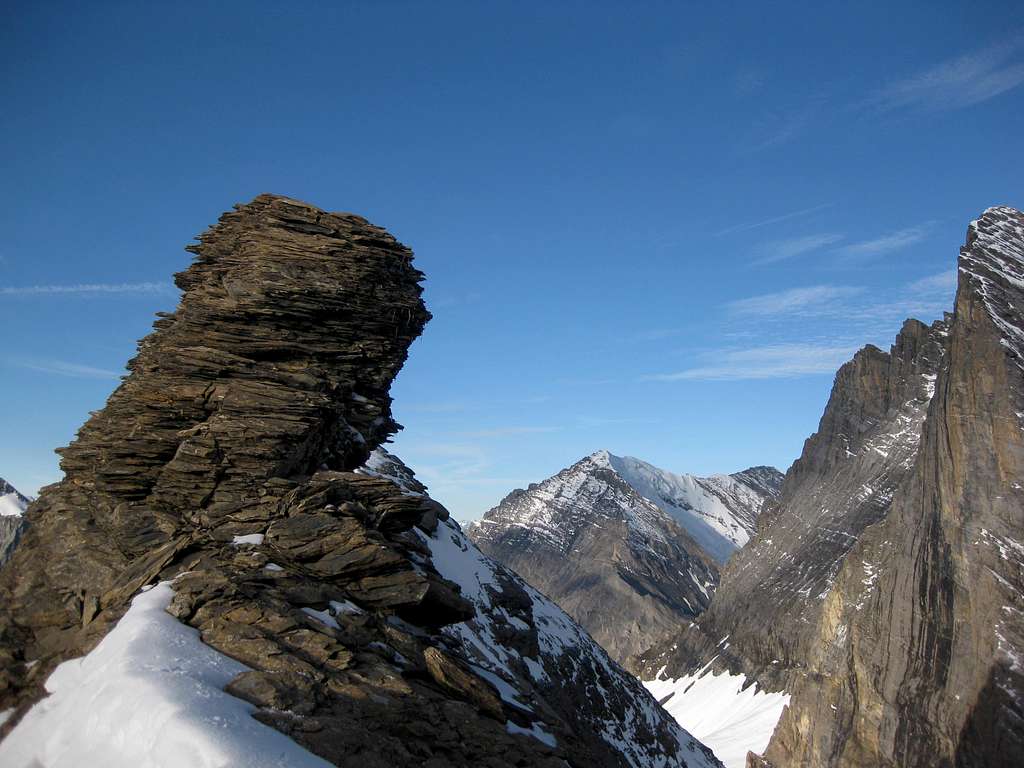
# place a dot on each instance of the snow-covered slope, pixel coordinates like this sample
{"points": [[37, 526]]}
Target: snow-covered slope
{"points": [[723, 710], [613, 531], [719, 512], [150, 695]]}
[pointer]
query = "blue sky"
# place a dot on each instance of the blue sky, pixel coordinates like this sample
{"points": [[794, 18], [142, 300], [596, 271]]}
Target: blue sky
{"points": [[656, 228]]}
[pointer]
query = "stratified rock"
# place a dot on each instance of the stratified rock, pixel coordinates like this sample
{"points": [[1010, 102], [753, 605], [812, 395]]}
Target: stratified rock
{"points": [[919, 656], [628, 550], [772, 592], [885, 590], [223, 464]]}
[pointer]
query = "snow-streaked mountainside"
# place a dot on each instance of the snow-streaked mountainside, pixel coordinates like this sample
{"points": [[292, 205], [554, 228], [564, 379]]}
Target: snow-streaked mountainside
{"points": [[12, 522], [12, 503], [535, 655], [613, 531]]}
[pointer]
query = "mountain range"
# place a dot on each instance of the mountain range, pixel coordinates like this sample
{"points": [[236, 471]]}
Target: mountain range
{"points": [[882, 598], [628, 549], [234, 571]]}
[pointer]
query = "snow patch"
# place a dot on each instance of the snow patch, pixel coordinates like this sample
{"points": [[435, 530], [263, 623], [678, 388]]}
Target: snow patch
{"points": [[150, 695], [250, 538], [719, 712]]}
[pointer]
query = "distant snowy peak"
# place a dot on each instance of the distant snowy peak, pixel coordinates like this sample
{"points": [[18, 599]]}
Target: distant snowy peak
{"points": [[12, 503], [629, 550], [720, 512]]}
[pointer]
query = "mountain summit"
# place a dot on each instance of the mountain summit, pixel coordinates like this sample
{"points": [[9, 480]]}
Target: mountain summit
{"points": [[628, 549]]}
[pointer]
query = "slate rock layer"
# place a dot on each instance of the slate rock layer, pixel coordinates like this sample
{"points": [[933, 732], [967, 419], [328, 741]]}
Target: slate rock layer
{"points": [[244, 415]]}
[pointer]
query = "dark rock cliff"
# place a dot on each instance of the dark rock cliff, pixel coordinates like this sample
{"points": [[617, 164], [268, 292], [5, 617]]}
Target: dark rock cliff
{"points": [[224, 464], [772, 591], [919, 658], [885, 590]]}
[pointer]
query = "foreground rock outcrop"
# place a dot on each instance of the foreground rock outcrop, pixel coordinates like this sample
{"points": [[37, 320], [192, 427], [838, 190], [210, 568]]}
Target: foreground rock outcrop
{"points": [[224, 466], [630, 551], [885, 591]]}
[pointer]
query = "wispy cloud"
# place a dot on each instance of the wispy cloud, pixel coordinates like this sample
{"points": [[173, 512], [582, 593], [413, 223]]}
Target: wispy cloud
{"points": [[601, 421], [942, 282], [956, 83], [794, 301], [746, 81], [72, 370], [894, 241], [508, 431], [766, 222], [767, 362], [781, 250], [780, 128], [86, 288], [654, 334]]}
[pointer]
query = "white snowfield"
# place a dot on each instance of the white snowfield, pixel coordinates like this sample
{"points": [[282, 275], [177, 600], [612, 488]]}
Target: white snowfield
{"points": [[150, 695], [720, 713]]}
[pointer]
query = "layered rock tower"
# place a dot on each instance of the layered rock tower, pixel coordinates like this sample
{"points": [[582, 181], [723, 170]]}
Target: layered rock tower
{"points": [[224, 462]]}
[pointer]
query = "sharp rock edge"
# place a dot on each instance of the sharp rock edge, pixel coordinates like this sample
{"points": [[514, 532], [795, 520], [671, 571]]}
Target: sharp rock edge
{"points": [[885, 591]]}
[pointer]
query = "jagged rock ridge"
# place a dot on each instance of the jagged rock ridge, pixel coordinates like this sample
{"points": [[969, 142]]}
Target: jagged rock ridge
{"points": [[613, 531], [772, 592], [884, 590], [222, 466], [919, 659]]}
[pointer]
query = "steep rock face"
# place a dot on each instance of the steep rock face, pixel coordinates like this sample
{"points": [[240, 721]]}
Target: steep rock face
{"points": [[772, 592], [222, 465], [616, 543], [12, 521], [919, 658]]}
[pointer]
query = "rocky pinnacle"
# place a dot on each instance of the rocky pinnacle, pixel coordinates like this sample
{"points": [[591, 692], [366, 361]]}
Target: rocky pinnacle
{"points": [[224, 464]]}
